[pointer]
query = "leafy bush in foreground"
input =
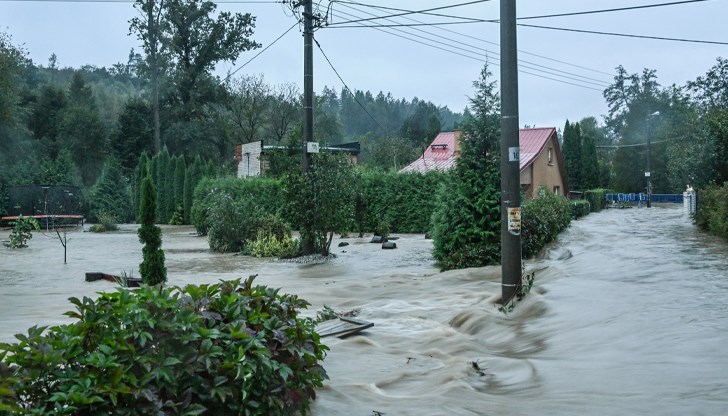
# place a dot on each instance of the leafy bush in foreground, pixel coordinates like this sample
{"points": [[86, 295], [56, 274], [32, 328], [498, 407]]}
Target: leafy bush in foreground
{"points": [[220, 349]]}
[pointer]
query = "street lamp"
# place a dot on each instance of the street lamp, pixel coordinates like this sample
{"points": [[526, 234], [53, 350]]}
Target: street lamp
{"points": [[649, 154]]}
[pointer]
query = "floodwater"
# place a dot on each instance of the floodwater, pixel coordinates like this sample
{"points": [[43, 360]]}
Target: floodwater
{"points": [[628, 315]]}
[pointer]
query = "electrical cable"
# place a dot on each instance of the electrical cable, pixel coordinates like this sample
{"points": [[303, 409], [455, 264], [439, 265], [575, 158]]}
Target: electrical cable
{"points": [[481, 40], [260, 52], [422, 42], [407, 12], [593, 32], [347, 87], [526, 64]]}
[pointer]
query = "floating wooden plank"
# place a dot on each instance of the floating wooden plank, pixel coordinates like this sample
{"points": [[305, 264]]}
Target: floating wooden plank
{"points": [[342, 327], [130, 281]]}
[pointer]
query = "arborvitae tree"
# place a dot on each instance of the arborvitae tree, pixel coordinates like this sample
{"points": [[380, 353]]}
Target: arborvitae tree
{"points": [[192, 178], [589, 164], [110, 193], [572, 154], [152, 267], [169, 202], [160, 182], [466, 223], [179, 183], [136, 182]]}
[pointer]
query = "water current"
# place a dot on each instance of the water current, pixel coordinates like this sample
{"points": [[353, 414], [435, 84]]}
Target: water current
{"points": [[628, 315]]}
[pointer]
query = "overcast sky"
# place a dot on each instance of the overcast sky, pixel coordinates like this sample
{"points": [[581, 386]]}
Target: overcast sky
{"points": [[442, 69]]}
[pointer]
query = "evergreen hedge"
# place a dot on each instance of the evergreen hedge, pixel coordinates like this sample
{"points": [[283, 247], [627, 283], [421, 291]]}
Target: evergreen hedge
{"points": [[712, 210], [405, 202], [580, 208], [597, 199]]}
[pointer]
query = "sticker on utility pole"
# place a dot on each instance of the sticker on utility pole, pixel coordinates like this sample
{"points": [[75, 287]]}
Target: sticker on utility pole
{"points": [[514, 220], [514, 154], [312, 147]]}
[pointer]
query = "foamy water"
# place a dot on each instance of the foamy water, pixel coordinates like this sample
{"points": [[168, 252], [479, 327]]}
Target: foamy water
{"points": [[629, 315]]}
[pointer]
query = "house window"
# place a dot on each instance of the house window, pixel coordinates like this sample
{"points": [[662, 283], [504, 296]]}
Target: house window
{"points": [[557, 190], [551, 156]]}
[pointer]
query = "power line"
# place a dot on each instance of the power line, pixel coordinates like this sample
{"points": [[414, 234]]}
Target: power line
{"points": [[482, 40], [465, 20], [347, 87], [619, 9], [540, 67], [407, 12], [540, 71], [261, 51], [624, 34]]}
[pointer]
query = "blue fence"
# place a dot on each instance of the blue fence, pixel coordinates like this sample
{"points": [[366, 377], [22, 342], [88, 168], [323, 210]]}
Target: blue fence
{"points": [[641, 198]]}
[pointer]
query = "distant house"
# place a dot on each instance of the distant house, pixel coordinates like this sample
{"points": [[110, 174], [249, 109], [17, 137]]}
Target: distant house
{"points": [[251, 158], [541, 161]]}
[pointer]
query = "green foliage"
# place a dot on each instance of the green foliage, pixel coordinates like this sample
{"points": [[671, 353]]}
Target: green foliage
{"points": [[107, 221], [152, 268], [466, 223], [269, 245], [580, 208], [542, 220], [712, 213], [264, 193], [22, 231], [110, 194], [235, 222], [403, 200], [321, 202], [178, 217], [221, 349], [597, 199], [572, 155]]}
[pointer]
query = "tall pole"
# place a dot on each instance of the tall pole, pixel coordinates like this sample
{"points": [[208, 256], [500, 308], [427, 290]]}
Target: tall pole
{"points": [[510, 164], [306, 237], [648, 172]]}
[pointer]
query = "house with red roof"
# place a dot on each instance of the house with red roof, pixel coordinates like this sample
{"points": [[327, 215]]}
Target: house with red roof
{"points": [[541, 160]]}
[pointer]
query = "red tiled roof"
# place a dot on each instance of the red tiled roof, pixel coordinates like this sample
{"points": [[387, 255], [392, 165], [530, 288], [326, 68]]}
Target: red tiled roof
{"points": [[439, 155], [532, 142]]}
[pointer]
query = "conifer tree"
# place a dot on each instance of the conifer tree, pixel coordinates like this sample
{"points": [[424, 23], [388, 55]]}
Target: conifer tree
{"points": [[572, 154], [589, 164], [466, 223], [152, 268]]}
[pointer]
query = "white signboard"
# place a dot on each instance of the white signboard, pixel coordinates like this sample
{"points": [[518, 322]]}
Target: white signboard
{"points": [[514, 154], [312, 147]]}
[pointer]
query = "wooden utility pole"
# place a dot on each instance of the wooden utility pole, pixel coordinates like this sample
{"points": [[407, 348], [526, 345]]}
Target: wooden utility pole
{"points": [[307, 243], [510, 164]]}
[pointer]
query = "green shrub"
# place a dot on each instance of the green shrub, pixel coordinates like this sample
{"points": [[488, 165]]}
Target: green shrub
{"points": [[321, 201], [265, 193], [220, 349], [542, 220], [597, 199], [712, 210], [268, 245], [107, 222], [22, 231], [580, 208], [178, 218]]}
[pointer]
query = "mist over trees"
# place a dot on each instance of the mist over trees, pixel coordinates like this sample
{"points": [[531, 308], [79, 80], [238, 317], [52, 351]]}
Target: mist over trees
{"points": [[686, 127]]}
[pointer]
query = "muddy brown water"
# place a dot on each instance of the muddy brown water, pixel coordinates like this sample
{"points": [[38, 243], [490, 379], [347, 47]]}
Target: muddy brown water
{"points": [[629, 315]]}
